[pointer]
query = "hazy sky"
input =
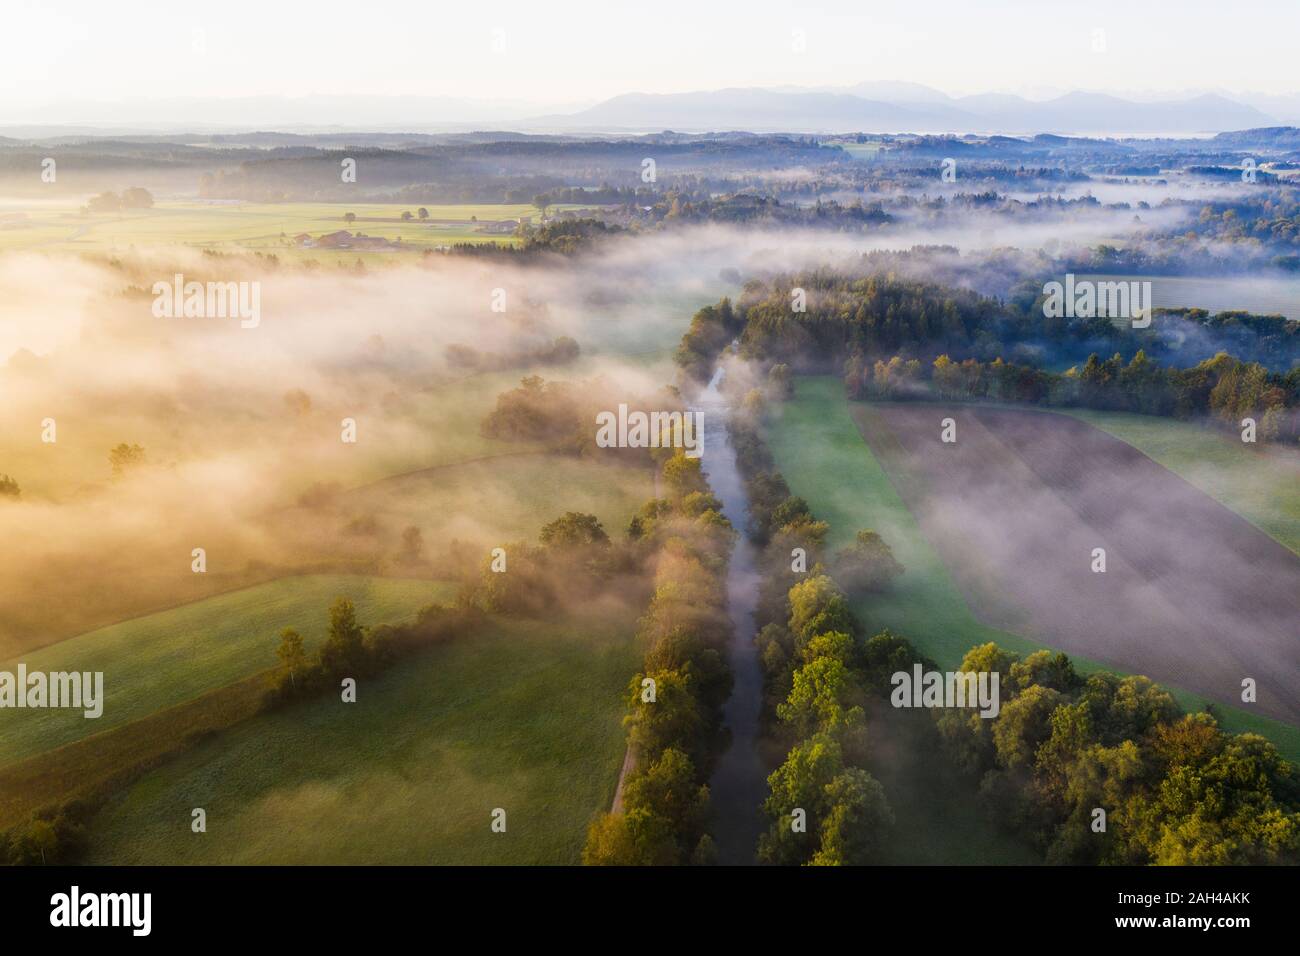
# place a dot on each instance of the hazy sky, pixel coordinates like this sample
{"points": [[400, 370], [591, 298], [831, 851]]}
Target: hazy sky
{"points": [[569, 51]]}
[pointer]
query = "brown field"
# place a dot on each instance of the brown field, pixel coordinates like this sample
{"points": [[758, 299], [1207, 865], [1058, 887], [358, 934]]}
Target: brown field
{"points": [[1193, 594]]}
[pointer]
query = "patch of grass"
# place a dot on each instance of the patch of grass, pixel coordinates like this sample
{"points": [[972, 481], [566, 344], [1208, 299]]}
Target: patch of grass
{"points": [[525, 717], [1260, 483], [819, 449], [160, 660]]}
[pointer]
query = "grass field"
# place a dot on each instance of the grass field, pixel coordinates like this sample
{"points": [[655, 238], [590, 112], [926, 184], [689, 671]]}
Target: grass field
{"points": [[525, 717], [262, 227], [818, 447], [163, 659], [504, 499], [824, 459], [1263, 486], [90, 768]]}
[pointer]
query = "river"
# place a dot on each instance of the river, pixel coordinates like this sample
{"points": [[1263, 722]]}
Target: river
{"points": [[739, 783]]}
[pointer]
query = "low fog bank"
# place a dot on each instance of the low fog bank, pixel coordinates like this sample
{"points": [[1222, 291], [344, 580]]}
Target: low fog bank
{"points": [[241, 418]]}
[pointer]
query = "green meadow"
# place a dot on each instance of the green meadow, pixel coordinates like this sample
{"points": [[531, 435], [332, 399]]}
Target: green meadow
{"points": [[818, 447], [260, 227], [159, 660], [524, 716]]}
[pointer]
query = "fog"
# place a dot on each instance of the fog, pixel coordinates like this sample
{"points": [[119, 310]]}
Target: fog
{"points": [[242, 427]]}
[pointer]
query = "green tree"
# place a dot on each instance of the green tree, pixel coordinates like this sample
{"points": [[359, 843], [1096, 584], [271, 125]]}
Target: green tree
{"points": [[574, 530], [820, 696], [855, 821], [293, 658], [663, 820], [344, 653], [673, 719], [817, 605], [868, 564], [683, 475], [799, 784]]}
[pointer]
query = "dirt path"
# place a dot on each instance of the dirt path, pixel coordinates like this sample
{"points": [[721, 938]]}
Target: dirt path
{"points": [[629, 762]]}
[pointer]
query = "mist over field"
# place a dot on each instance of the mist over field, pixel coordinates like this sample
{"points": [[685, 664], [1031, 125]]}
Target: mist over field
{"points": [[586, 470], [239, 423]]}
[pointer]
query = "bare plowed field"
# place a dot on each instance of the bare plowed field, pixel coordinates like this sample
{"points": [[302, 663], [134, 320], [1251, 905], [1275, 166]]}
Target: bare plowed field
{"points": [[1193, 595]]}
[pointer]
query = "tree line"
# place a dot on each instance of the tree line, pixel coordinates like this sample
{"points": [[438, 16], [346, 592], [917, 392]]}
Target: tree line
{"points": [[674, 704], [898, 338], [819, 670]]}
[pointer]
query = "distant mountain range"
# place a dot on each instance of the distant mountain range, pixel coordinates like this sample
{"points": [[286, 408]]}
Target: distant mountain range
{"points": [[873, 107], [884, 108]]}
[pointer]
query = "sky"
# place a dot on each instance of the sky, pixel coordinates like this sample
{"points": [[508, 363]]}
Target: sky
{"points": [[574, 52]]}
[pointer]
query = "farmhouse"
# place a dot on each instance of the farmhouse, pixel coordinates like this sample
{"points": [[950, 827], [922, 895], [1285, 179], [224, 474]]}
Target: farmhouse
{"points": [[342, 239]]}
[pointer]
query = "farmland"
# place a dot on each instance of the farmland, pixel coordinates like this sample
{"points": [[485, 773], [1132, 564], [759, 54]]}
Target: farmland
{"points": [[1260, 484], [817, 447], [1168, 597], [157, 661], [254, 227], [928, 605], [525, 717]]}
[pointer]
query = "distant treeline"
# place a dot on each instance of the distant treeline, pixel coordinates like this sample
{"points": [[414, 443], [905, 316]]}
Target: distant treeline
{"points": [[1223, 388], [509, 169], [560, 237], [891, 337]]}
